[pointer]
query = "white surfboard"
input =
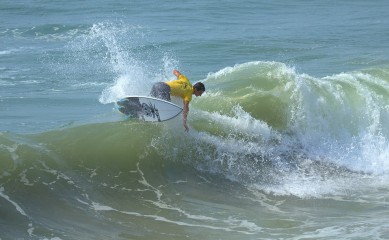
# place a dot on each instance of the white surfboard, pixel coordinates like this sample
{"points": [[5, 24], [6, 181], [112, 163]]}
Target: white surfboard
{"points": [[148, 108]]}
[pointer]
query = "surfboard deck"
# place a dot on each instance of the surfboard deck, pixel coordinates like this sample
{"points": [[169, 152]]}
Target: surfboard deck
{"points": [[148, 109]]}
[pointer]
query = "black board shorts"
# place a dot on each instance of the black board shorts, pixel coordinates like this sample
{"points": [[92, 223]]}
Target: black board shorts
{"points": [[160, 90]]}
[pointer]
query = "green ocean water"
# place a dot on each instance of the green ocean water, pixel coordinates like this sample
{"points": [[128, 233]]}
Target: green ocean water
{"points": [[290, 140]]}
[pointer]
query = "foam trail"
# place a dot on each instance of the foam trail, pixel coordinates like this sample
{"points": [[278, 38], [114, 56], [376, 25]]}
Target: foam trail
{"points": [[18, 208]]}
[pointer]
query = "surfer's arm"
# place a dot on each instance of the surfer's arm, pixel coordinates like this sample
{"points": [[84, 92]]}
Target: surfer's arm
{"points": [[185, 115]]}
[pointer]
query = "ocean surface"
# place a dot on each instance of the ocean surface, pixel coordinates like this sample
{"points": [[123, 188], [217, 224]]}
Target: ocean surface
{"points": [[289, 141]]}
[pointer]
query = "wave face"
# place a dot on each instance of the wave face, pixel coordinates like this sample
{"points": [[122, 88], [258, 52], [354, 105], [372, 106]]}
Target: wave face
{"points": [[262, 129]]}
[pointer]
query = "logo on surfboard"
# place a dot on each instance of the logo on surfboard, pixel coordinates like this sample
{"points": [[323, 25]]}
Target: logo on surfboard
{"points": [[150, 110]]}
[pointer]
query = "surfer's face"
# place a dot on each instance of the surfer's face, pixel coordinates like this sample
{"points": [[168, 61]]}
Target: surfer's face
{"points": [[198, 93]]}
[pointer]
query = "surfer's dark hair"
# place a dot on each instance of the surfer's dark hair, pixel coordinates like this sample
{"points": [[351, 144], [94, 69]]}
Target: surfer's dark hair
{"points": [[199, 86]]}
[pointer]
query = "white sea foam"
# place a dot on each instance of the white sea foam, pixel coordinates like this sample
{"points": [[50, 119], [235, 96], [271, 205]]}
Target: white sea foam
{"points": [[133, 71], [339, 119], [5, 52]]}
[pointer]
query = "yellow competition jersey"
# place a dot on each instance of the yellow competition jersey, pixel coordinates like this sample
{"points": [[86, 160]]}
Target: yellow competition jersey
{"points": [[181, 88]]}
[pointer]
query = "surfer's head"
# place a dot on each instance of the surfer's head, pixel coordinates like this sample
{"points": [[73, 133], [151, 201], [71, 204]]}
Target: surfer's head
{"points": [[198, 89]]}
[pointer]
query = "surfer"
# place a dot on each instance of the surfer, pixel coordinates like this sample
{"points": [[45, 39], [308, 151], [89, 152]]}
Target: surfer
{"points": [[181, 87]]}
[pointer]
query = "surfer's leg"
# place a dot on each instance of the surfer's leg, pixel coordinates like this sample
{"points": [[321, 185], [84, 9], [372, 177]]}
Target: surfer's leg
{"points": [[160, 90]]}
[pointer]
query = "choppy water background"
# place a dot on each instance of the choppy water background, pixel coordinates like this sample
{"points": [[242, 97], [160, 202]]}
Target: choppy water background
{"points": [[290, 140]]}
